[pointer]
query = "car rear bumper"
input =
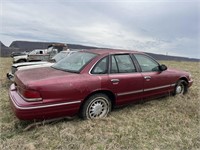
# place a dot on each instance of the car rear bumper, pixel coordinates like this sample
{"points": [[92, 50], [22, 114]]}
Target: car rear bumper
{"points": [[39, 110]]}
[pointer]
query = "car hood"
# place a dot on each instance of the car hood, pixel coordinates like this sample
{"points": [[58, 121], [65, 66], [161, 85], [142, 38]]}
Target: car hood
{"points": [[40, 76], [29, 63], [21, 56]]}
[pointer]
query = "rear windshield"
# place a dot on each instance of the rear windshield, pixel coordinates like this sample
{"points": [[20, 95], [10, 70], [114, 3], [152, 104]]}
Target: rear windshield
{"points": [[74, 62]]}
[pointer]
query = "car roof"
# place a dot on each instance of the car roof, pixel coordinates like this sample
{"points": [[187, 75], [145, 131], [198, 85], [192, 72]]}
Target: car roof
{"points": [[111, 51]]}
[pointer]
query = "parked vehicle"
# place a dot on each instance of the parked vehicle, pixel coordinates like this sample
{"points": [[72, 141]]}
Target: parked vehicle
{"points": [[40, 54], [24, 57], [52, 50], [90, 83], [39, 64]]}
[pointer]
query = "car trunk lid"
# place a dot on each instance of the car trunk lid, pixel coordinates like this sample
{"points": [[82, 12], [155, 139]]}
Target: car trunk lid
{"points": [[25, 78]]}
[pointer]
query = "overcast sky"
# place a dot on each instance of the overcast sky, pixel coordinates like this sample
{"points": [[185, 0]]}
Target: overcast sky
{"points": [[159, 26]]}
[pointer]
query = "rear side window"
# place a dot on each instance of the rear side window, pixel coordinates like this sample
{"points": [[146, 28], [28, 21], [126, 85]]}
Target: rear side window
{"points": [[122, 64], [101, 67], [146, 63]]}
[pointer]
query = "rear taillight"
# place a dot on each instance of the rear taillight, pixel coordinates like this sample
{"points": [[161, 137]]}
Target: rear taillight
{"points": [[30, 95]]}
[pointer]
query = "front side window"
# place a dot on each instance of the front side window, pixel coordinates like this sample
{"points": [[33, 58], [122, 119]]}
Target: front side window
{"points": [[146, 64], [122, 64], [74, 62]]}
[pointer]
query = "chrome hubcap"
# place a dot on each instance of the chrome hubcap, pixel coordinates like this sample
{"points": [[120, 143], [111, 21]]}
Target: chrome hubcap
{"points": [[179, 89], [98, 108]]}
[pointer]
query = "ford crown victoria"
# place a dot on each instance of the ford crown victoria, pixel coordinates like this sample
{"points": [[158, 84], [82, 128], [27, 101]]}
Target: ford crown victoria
{"points": [[91, 82]]}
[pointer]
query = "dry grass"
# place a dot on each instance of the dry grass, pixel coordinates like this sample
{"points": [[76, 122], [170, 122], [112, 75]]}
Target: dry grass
{"points": [[168, 123]]}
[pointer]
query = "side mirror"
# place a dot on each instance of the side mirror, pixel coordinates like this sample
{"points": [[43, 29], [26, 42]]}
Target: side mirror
{"points": [[163, 67]]}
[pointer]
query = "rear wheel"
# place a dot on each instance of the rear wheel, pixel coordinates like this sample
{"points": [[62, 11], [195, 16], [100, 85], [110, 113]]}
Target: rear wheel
{"points": [[96, 106], [181, 87]]}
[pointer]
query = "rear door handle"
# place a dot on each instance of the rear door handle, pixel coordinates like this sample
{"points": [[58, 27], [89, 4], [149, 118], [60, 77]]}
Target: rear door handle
{"points": [[114, 80]]}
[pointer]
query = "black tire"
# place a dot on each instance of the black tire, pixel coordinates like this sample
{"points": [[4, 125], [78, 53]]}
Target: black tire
{"points": [[96, 106], [181, 87], [21, 60]]}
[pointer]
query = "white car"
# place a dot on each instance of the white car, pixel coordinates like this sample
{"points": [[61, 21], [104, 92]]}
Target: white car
{"points": [[31, 65]]}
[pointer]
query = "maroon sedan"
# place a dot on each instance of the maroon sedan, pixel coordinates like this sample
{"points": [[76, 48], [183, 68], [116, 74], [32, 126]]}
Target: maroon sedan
{"points": [[91, 82]]}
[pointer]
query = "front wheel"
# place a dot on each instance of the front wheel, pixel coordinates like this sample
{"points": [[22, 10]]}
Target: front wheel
{"points": [[180, 88], [96, 106], [21, 61]]}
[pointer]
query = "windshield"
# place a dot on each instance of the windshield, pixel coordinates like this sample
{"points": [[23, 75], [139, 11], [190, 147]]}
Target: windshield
{"points": [[49, 49], [32, 52], [60, 56], [74, 62]]}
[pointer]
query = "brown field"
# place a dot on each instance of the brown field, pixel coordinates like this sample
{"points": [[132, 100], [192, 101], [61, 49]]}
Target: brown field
{"points": [[170, 123]]}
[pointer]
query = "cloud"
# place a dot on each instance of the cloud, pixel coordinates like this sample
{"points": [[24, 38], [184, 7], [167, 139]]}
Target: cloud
{"points": [[153, 26]]}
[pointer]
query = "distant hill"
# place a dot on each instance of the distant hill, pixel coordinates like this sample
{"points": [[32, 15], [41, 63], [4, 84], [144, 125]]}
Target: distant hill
{"points": [[20, 46], [6, 51], [28, 46], [175, 58], [2, 45]]}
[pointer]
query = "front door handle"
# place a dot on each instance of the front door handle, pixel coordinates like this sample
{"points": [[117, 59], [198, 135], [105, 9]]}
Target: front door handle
{"points": [[147, 77]]}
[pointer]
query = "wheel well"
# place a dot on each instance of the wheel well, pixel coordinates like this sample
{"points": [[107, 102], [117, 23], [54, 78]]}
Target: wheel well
{"points": [[108, 93], [185, 82], [185, 79]]}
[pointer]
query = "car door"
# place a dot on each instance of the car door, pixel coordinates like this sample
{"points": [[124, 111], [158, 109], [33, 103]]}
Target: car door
{"points": [[124, 79], [155, 81]]}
